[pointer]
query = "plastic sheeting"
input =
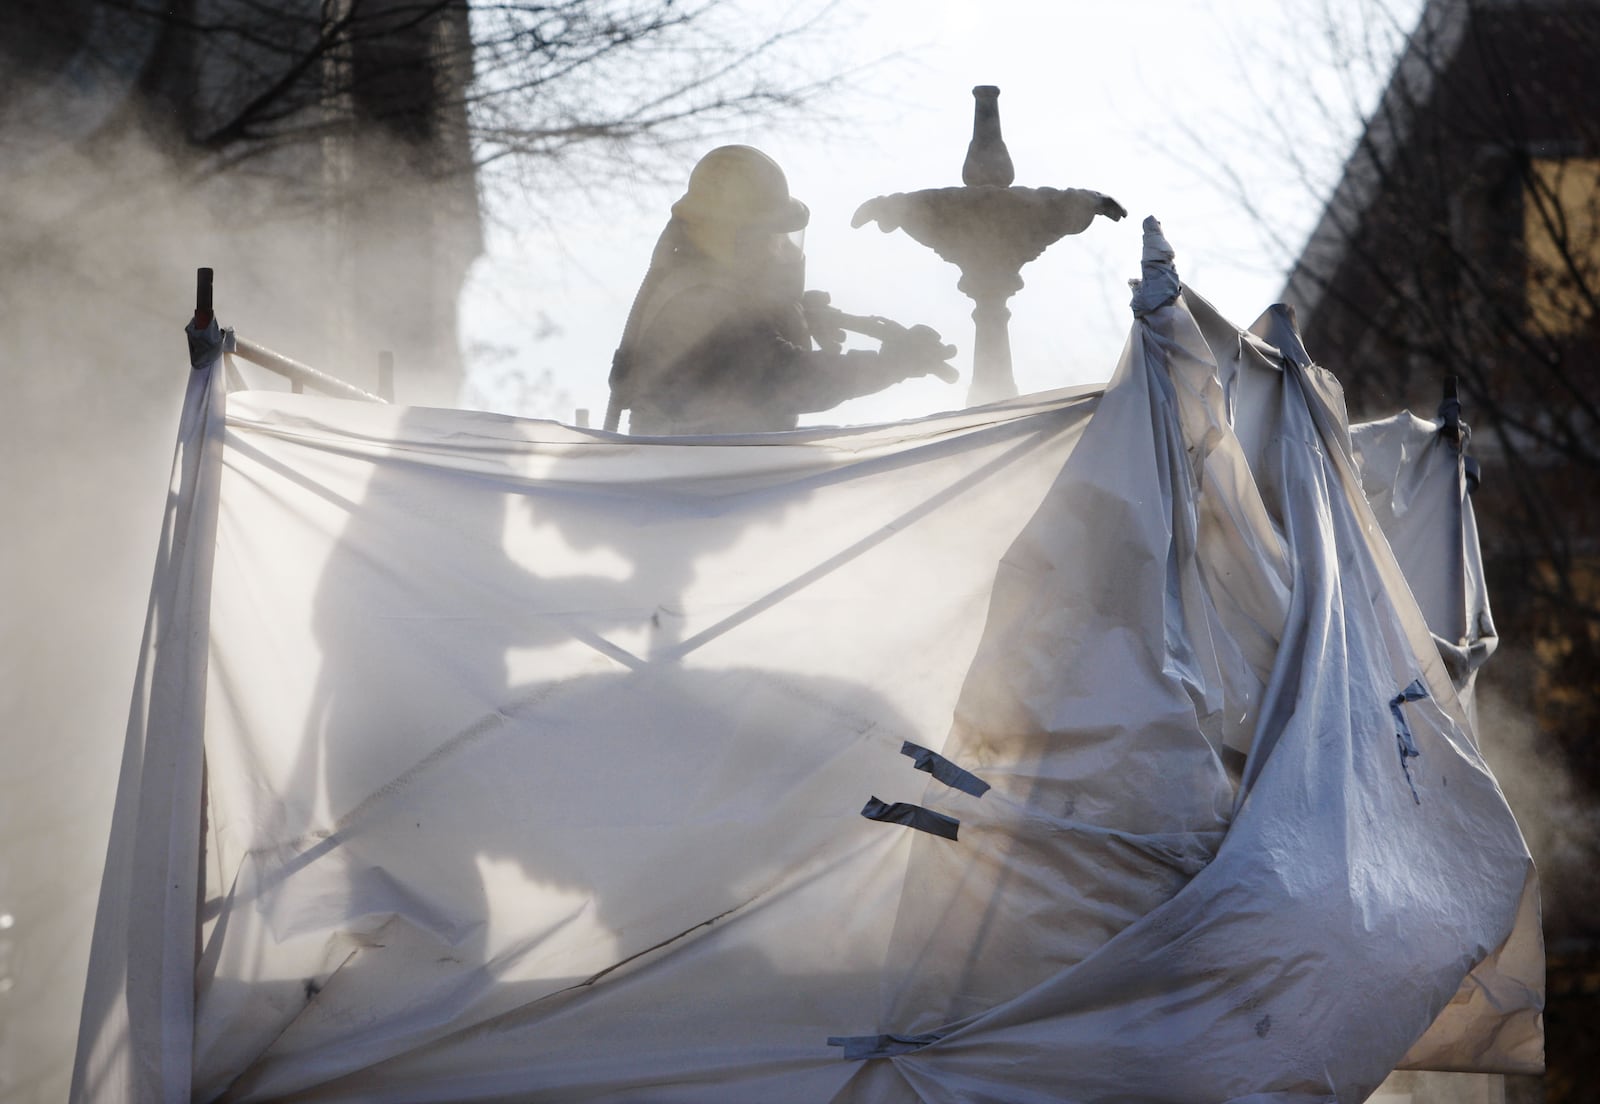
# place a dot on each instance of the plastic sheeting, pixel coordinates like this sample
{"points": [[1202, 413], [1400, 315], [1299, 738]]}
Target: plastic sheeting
{"points": [[1415, 479], [533, 762]]}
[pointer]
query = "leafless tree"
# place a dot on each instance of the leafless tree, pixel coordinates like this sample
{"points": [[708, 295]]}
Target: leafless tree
{"points": [[571, 91], [376, 123], [326, 156], [1462, 237]]}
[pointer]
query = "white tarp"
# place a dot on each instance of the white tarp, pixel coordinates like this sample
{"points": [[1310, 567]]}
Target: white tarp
{"points": [[478, 759], [1417, 487]]}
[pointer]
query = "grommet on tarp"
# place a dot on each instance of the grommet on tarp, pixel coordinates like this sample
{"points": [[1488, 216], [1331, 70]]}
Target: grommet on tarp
{"points": [[1402, 731], [860, 1047], [912, 816], [944, 770]]}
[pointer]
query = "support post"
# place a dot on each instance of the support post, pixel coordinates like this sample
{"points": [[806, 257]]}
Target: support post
{"points": [[386, 376], [202, 298], [1450, 409], [300, 376]]}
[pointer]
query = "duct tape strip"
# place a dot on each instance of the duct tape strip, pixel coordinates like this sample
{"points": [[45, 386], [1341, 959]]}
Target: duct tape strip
{"points": [[206, 345], [944, 770], [912, 816], [1402, 731], [859, 1047]]}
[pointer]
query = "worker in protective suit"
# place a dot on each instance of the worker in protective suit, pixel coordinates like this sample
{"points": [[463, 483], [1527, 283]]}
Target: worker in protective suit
{"points": [[718, 341]]}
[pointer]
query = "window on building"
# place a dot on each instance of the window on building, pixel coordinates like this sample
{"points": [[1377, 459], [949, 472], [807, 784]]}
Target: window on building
{"points": [[1561, 231]]}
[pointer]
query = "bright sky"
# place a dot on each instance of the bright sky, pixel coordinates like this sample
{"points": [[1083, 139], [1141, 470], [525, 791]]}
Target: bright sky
{"points": [[1145, 102]]}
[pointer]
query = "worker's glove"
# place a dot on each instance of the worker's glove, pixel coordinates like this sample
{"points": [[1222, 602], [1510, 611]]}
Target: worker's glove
{"points": [[917, 351]]}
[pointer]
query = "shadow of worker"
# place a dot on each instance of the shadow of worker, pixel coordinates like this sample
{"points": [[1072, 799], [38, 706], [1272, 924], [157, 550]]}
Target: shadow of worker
{"points": [[521, 774]]}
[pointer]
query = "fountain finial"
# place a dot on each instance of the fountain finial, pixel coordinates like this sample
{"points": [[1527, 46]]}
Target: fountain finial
{"points": [[988, 160]]}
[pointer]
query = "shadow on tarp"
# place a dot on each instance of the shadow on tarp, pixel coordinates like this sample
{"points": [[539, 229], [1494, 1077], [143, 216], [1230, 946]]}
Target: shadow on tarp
{"points": [[605, 853], [440, 891]]}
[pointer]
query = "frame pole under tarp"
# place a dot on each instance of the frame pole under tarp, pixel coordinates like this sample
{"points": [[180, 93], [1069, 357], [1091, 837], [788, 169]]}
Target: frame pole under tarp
{"points": [[300, 375]]}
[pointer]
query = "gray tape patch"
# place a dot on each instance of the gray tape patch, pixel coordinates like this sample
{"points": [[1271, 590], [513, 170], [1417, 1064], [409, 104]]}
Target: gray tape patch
{"points": [[944, 770], [859, 1047], [912, 816], [1402, 731]]}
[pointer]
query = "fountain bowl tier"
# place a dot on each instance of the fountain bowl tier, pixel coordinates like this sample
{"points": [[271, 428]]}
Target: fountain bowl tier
{"points": [[987, 231]]}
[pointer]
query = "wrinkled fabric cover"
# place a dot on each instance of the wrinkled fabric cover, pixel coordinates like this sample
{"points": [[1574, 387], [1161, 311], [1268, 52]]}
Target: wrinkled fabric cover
{"points": [[1416, 488], [1415, 481], [535, 762], [138, 1005]]}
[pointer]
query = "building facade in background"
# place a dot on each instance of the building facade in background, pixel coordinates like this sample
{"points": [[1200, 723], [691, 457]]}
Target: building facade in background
{"points": [[1464, 240]]}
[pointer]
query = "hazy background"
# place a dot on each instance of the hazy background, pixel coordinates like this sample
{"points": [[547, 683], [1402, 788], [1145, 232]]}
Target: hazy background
{"points": [[1158, 105], [1177, 109]]}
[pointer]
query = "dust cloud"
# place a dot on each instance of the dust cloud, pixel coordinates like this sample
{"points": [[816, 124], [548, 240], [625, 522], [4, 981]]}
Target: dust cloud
{"points": [[97, 262], [1559, 820]]}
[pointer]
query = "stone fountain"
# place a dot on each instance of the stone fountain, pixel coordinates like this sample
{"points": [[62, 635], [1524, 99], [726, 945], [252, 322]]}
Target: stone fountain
{"points": [[988, 229]]}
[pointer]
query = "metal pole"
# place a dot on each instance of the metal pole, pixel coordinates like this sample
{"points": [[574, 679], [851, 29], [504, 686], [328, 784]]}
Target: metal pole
{"points": [[301, 375], [202, 298], [386, 376], [1450, 409]]}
